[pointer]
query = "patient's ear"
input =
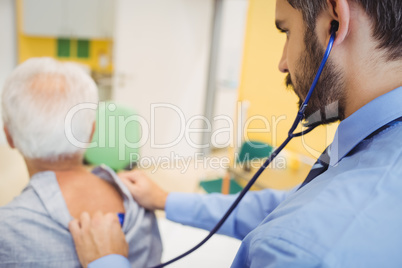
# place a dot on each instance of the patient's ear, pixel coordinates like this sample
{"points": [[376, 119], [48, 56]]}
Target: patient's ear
{"points": [[93, 131], [9, 138]]}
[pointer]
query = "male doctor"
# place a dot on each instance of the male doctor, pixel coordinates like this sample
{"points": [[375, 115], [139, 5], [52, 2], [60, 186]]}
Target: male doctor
{"points": [[348, 211]]}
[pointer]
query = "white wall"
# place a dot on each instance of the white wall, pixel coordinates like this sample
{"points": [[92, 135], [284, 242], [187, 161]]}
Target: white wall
{"points": [[161, 53], [229, 66], [231, 43], [8, 46]]}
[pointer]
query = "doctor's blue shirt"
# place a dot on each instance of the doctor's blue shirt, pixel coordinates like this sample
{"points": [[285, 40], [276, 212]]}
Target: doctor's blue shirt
{"points": [[349, 216]]}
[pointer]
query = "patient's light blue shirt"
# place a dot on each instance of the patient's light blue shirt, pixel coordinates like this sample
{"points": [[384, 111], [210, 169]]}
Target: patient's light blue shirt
{"points": [[349, 216], [34, 227]]}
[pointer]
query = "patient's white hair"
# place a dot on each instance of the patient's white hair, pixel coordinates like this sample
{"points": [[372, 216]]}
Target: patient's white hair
{"points": [[36, 99]]}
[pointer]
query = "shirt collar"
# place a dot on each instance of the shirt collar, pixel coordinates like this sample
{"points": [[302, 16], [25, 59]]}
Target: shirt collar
{"points": [[352, 130], [46, 187], [131, 207]]}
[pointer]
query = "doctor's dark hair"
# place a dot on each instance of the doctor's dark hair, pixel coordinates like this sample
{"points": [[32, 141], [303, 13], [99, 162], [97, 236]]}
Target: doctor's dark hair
{"points": [[385, 15]]}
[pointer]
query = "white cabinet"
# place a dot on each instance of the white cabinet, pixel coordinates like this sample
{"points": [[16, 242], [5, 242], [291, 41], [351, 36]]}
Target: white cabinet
{"points": [[89, 19]]}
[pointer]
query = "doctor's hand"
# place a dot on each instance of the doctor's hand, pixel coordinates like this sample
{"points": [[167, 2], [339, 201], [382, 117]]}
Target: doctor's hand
{"points": [[146, 192], [97, 237]]}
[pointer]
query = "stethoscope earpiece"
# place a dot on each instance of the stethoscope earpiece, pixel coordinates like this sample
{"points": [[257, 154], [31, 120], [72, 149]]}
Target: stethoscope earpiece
{"points": [[334, 26]]}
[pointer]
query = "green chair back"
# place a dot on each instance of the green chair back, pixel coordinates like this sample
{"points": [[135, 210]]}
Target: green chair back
{"points": [[253, 150], [117, 135]]}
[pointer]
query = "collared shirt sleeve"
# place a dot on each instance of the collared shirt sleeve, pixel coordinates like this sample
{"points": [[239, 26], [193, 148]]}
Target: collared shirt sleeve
{"points": [[204, 211], [274, 252], [112, 260]]}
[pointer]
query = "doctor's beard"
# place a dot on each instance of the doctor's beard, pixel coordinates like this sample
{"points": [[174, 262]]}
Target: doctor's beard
{"points": [[327, 103]]}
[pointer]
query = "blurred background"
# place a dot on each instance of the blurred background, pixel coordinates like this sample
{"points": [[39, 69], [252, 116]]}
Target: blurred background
{"points": [[172, 62], [202, 56]]}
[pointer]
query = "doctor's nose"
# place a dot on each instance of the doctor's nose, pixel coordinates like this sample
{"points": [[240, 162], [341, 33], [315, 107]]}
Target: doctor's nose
{"points": [[283, 63]]}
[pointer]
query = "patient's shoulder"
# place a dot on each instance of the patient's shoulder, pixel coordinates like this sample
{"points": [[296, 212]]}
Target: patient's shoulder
{"points": [[26, 203]]}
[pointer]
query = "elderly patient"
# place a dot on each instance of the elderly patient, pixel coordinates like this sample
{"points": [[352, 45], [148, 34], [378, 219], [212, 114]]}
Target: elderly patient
{"points": [[34, 226]]}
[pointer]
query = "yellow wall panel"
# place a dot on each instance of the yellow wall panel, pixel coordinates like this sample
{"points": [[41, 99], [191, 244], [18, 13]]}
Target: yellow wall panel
{"points": [[35, 47]]}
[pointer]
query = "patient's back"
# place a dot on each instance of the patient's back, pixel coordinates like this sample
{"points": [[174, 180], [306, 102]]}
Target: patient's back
{"points": [[34, 226], [87, 192]]}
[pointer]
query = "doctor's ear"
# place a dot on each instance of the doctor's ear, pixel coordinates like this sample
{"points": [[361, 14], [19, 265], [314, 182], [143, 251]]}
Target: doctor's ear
{"points": [[340, 12]]}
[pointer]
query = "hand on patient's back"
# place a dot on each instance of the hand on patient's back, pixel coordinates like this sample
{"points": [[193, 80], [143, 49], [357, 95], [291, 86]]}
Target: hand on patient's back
{"points": [[97, 237], [146, 192]]}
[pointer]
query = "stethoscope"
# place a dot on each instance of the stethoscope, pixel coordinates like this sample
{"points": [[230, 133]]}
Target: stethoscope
{"points": [[291, 135]]}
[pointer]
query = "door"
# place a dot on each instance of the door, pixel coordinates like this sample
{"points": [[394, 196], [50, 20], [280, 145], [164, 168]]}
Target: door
{"points": [[161, 55]]}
